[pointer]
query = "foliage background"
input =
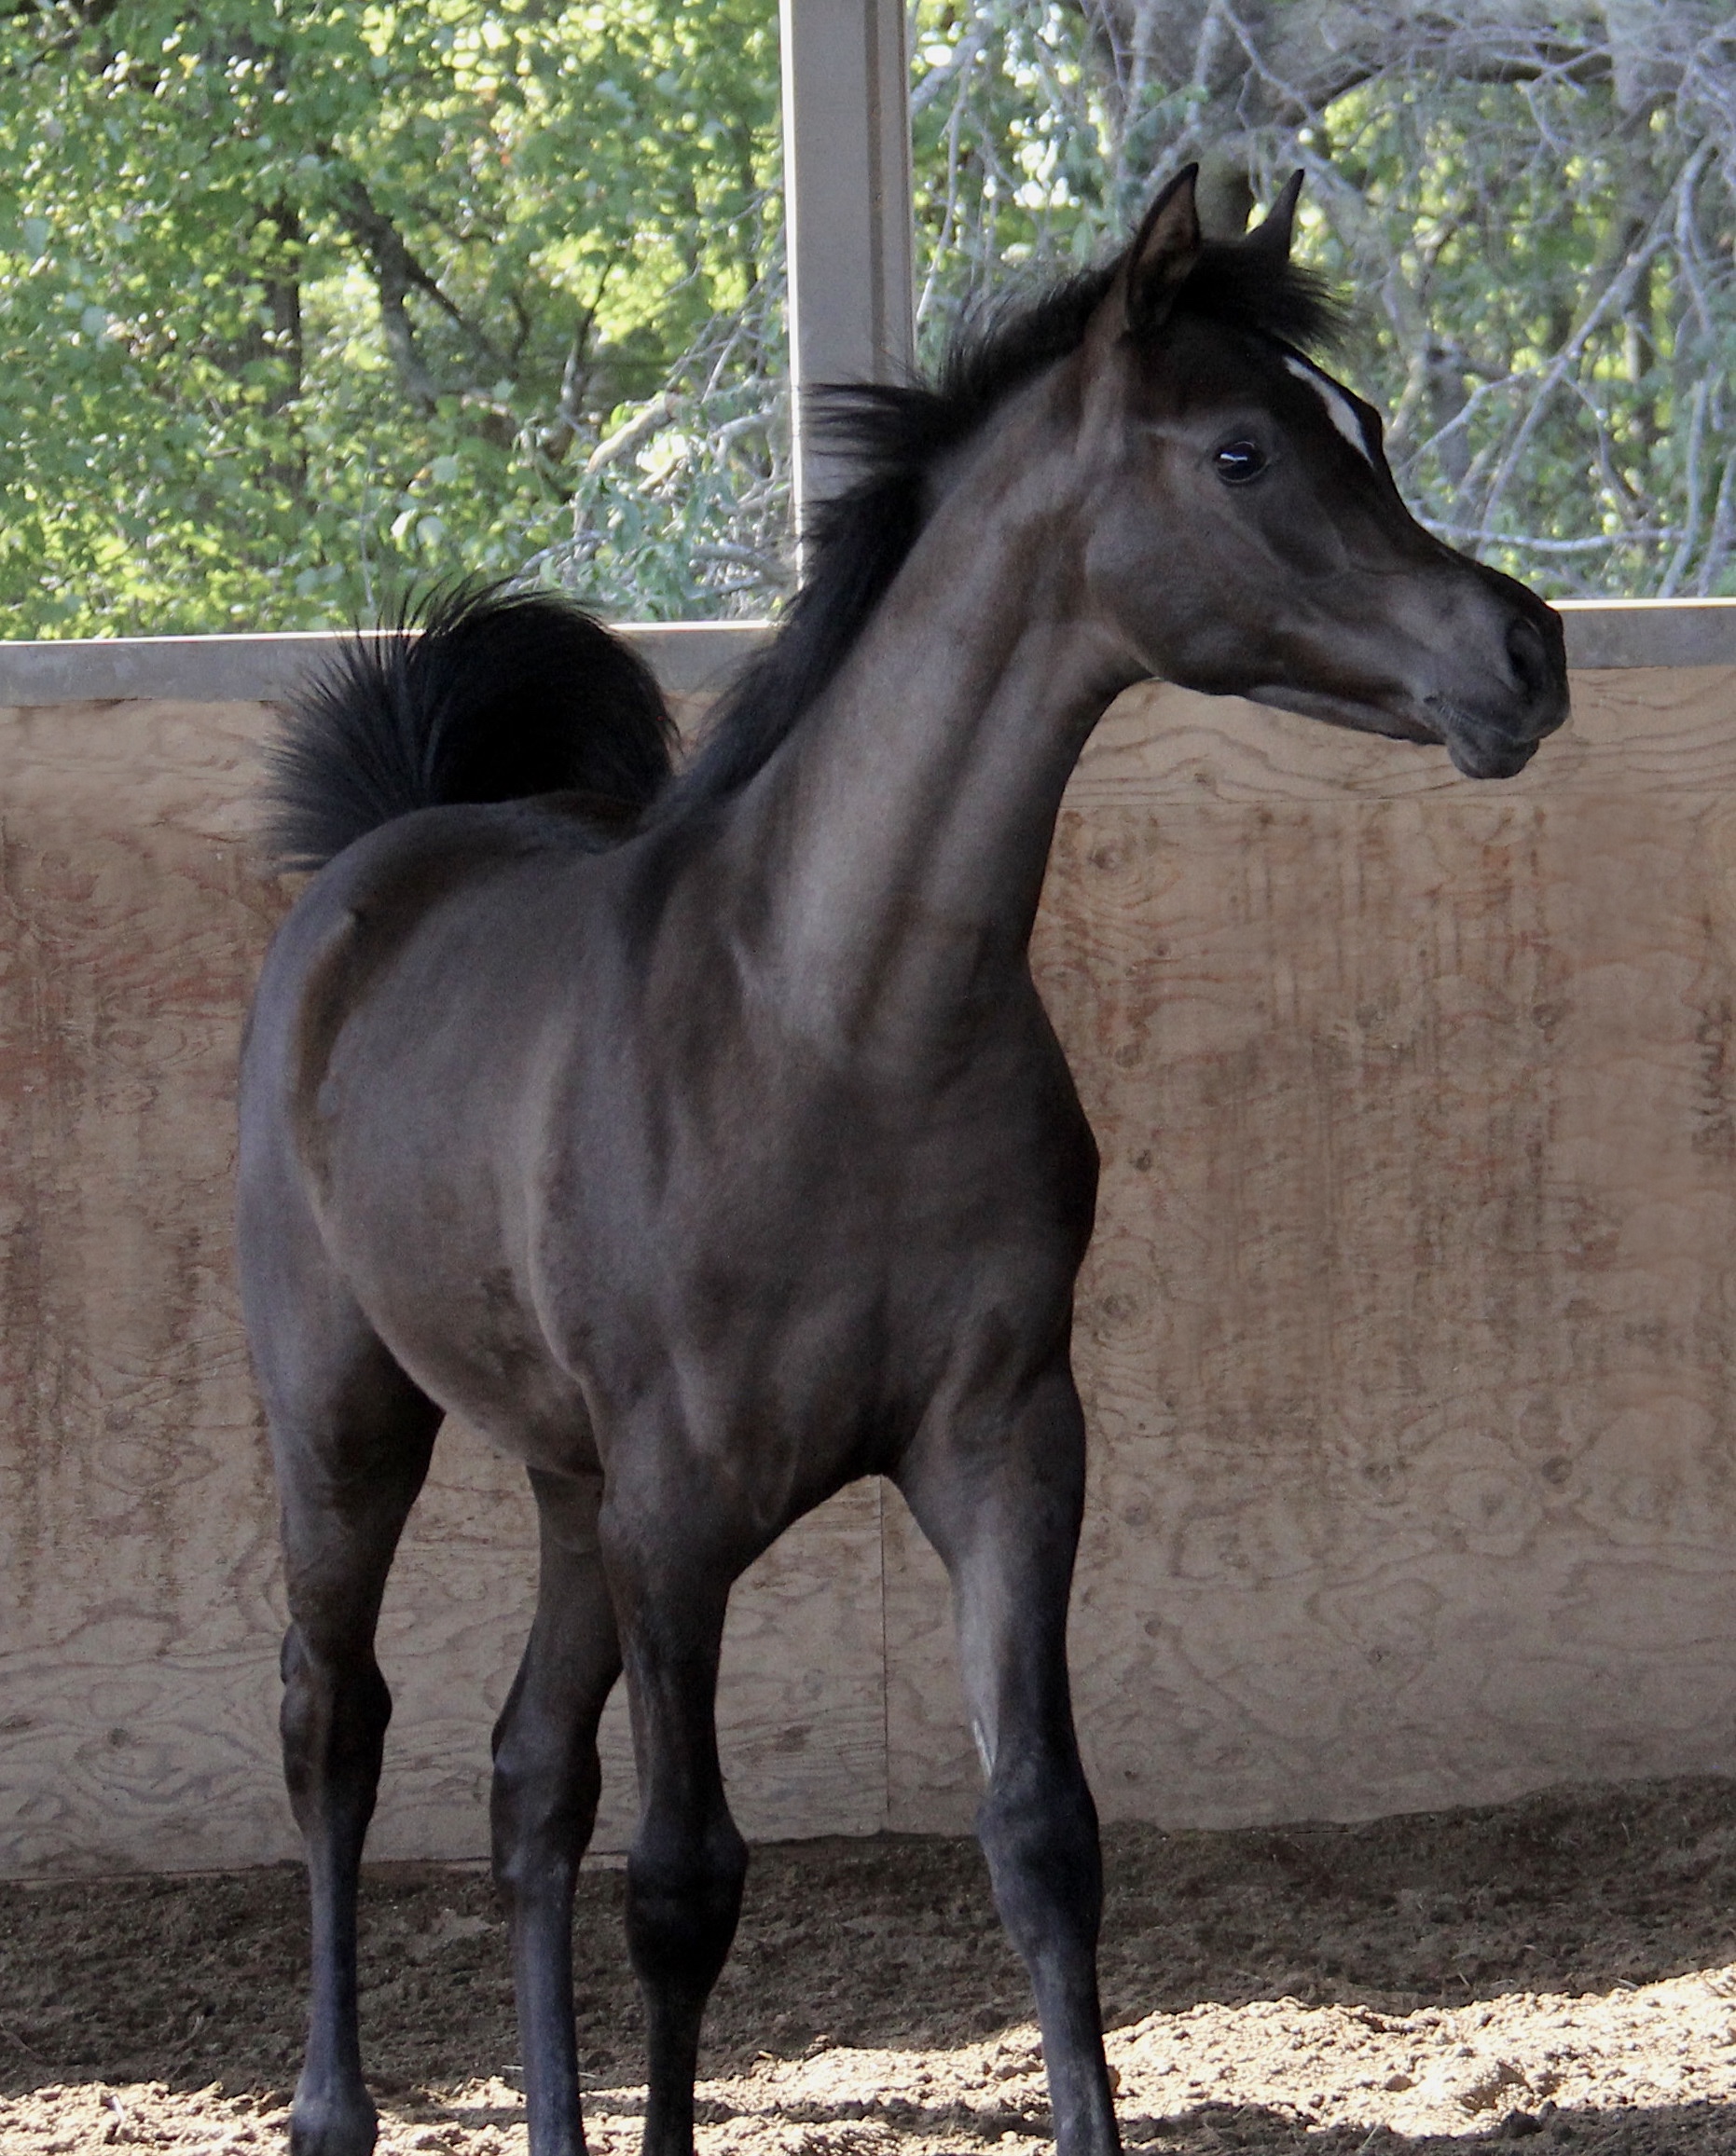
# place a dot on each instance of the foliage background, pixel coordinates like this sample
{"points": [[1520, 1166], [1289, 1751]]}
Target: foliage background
{"points": [[301, 300]]}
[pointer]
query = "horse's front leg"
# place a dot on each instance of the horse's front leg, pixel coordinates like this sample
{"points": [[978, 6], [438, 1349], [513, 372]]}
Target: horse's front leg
{"points": [[688, 1863], [546, 1783], [1001, 1498]]}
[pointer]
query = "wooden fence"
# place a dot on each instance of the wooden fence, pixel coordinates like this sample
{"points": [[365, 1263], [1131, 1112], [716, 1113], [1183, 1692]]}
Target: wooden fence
{"points": [[1406, 1339]]}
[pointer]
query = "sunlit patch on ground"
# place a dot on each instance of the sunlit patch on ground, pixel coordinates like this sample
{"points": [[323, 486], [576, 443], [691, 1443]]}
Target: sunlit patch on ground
{"points": [[1642, 2069], [1556, 1973]]}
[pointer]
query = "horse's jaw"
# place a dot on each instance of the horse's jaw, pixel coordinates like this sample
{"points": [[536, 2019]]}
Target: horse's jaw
{"points": [[1477, 748]]}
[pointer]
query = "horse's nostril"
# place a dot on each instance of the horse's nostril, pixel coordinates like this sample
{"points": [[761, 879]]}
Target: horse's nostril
{"points": [[1528, 655]]}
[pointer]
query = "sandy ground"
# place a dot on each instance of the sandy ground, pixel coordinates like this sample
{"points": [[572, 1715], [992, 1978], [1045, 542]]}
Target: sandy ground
{"points": [[1560, 1973]]}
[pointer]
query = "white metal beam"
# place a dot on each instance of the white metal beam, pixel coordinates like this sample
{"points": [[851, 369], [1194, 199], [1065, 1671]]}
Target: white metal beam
{"points": [[846, 209]]}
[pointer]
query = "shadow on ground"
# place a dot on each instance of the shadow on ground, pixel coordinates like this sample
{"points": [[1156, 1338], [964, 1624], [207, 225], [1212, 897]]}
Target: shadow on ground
{"points": [[892, 1944]]}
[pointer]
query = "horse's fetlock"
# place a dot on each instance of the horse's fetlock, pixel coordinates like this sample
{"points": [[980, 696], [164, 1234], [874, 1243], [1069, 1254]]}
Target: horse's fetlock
{"points": [[332, 2123]]}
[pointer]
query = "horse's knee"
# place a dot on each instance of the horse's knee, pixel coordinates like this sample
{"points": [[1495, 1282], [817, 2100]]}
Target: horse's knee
{"points": [[333, 1721], [1038, 1827], [542, 1804], [684, 1898]]}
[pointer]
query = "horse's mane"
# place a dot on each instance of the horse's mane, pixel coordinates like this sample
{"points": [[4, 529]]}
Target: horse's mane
{"points": [[896, 433]]}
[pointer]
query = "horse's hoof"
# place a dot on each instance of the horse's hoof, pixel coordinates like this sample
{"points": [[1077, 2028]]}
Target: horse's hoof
{"points": [[331, 2125]]}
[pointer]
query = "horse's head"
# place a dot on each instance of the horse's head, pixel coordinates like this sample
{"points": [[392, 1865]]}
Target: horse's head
{"points": [[1246, 537]]}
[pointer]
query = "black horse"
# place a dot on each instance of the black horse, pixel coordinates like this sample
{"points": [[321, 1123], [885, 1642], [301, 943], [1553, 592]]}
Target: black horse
{"points": [[702, 1139]]}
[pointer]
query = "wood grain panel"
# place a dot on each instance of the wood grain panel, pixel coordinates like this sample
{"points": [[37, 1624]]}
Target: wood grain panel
{"points": [[1406, 1333], [1405, 1339], [138, 1569], [142, 1603], [931, 1777], [1662, 729]]}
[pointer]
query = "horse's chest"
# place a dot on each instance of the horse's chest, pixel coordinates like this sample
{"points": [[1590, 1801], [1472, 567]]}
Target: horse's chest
{"points": [[821, 1271]]}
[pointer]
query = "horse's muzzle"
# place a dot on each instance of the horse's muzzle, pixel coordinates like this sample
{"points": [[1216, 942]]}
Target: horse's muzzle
{"points": [[1499, 742], [1480, 753]]}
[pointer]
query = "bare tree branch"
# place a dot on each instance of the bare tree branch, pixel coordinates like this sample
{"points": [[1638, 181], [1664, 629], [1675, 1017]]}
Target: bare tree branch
{"points": [[1535, 201], [396, 274]]}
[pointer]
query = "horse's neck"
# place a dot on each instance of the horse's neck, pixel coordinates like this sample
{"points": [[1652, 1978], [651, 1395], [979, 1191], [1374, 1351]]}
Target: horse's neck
{"points": [[898, 838]]}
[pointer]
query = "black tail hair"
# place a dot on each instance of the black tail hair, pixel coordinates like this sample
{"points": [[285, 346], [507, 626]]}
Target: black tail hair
{"points": [[474, 693]]}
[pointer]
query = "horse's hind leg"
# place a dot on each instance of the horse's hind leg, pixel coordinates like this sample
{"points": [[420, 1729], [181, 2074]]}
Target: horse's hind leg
{"points": [[1002, 1507], [546, 1781], [688, 1863], [351, 1438]]}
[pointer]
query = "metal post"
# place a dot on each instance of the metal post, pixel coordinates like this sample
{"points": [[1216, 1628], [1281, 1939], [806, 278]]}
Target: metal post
{"points": [[846, 210]]}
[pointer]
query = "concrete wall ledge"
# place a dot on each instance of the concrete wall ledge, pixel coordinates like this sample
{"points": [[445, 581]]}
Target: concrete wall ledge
{"points": [[693, 657]]}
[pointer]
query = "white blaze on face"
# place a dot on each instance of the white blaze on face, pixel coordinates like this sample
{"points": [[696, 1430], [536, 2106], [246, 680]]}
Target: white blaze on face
{"points": [[1339, 408]]}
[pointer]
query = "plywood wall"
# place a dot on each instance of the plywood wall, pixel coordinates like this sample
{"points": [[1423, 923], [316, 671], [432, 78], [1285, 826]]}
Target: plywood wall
{"points": [[1406, 1338]]}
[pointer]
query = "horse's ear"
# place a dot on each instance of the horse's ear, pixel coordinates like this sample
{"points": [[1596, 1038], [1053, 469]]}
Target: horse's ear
{"points": [[1276, 228], [1166, 247]]}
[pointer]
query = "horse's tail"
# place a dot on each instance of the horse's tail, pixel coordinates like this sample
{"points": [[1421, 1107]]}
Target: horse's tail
{"points": [[476, 695]]}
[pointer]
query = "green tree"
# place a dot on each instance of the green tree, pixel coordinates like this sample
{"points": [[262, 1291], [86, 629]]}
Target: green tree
{"points": [[302, 300]]}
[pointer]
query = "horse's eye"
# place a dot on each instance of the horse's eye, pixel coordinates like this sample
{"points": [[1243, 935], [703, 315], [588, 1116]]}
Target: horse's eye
{"points": [[1238, 463]]}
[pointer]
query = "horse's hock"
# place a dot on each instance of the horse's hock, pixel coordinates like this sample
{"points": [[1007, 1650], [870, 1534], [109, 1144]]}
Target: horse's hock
{"points": [[1406, 1339]]}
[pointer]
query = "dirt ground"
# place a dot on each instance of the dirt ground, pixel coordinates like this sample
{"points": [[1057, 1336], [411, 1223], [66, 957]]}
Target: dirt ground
{"points": [[1559, 1972]]}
